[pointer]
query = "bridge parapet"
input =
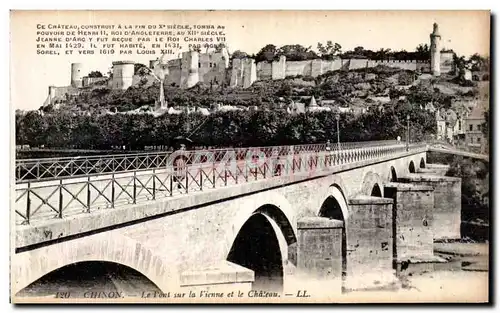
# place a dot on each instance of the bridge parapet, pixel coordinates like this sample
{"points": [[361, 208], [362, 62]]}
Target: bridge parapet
{"points": [[33, 170], [60, 198]]}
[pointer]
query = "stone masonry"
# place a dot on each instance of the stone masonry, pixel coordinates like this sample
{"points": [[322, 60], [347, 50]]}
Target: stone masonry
{"points": [[447, 206]]}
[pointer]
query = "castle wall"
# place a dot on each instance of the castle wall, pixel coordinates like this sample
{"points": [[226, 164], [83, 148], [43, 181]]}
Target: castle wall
{"points": [[279, 68], [423, 67], [174, 73], [174, 76], [404, 65], [355, 64], [88, 81], [236, 73], [189, 69], [331, 65], [371, 63], [316, 67], [212, 68], [243, 73], [294, 68], [264, 71], [249, 72], [446, 62], [58, 94]]}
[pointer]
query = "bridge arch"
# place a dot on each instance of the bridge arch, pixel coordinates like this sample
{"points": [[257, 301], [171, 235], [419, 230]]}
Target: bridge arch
{"points": [[335, 207], [87, 278], [108, 247], [422, 163], [272, 204], [334, 204], [411, 167], [261, 244], [372, 185], [393, 176]]}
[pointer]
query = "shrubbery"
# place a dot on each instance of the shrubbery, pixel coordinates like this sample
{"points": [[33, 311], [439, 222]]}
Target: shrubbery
{"points": [[245, 128]]}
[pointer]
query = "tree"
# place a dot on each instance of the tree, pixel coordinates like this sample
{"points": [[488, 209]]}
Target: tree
{"points": [[140, 69], [297, 53], [329, 51], [268, 53], [219, 47], [382, 54], [460, 64], [485, 127], [423, 52], [95, 74], [479, 63], [359, 50], [239, 55]]}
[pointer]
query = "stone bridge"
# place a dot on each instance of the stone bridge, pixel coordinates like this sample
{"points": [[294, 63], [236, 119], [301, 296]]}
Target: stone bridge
{"points": [[353, 221]]}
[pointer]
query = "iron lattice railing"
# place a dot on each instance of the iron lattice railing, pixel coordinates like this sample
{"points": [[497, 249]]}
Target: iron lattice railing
{"points": [[30, 170], [198, 170]]}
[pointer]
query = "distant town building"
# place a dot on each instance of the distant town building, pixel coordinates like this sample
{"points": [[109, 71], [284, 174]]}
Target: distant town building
{"points": [[462, 125], [474, 137]]}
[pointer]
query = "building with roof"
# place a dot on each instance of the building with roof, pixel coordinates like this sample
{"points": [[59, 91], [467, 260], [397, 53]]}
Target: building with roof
{"points": [[475, 139]]}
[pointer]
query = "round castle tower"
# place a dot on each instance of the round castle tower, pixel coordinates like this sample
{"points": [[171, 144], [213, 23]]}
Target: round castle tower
{"points": [[435, 51], [123, 74], [77, 75]]}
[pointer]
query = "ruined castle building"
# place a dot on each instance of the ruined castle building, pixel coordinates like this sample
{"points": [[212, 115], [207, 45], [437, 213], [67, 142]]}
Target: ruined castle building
{"points": [[189, 69], [76, 75], [52, 94], [435, 51], [123, 74]]}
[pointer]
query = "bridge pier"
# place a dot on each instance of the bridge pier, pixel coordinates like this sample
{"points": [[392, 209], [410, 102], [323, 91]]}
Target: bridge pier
{"points": [[320, 250], [369, 257], [412, 220], [447, 203], [435, 169], [226, 277]]}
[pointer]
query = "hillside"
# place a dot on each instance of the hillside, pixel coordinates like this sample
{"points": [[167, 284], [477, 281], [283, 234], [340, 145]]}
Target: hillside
{"points": [[364, 87]]}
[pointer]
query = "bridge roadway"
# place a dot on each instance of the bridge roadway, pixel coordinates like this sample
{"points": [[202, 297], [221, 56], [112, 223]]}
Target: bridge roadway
{"points": [[68, 196], [450, 150]]}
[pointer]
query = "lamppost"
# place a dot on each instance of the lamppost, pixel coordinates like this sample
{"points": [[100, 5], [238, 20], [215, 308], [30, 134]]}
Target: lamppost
{"points": [[337, 117], [408, 132]]}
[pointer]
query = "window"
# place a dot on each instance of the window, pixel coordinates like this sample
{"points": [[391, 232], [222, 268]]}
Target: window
{"points": [[215, 64], [470, 127], [478, 127], [459, 125], [478, 139], [199, 64], [210, 64], [471, 140]]}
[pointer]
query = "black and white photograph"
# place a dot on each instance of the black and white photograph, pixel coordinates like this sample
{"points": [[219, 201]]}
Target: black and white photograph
{"points": [[250, 156]]}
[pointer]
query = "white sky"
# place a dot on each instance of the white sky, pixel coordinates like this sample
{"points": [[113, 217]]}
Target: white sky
{"points": [[466, 32]]}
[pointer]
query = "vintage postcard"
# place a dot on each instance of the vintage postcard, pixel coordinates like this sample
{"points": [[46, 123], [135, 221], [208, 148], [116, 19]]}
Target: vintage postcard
{"points": [[250, 156]]}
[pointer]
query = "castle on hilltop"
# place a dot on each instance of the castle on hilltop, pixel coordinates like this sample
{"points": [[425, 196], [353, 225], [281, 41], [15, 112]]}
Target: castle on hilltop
{"points": [[216, 68]]}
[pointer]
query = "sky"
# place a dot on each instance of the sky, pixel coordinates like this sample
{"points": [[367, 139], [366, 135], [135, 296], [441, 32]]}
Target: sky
{"points": [[466, 32]]}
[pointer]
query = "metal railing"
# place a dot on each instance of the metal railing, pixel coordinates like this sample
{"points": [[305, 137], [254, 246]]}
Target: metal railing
{"points": [[62, 197], [30, 170]]}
